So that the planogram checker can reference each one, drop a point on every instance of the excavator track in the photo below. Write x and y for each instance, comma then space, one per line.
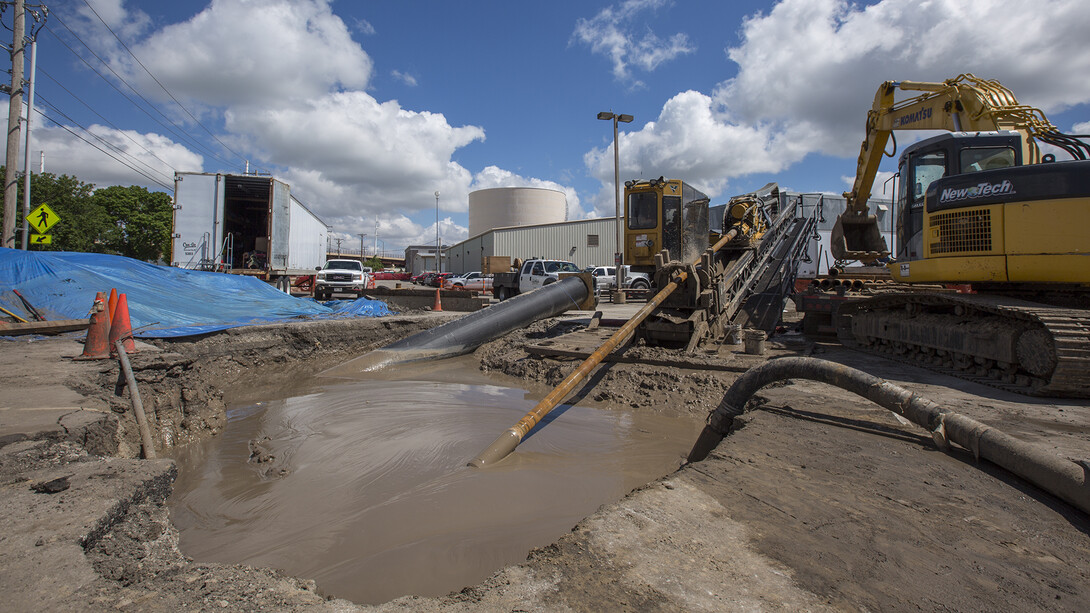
1015, 345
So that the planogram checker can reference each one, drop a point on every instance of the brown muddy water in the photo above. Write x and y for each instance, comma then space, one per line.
369, 493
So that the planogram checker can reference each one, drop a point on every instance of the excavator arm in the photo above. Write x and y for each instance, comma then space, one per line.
964, 103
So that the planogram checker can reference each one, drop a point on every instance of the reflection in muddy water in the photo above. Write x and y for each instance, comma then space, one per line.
367, 491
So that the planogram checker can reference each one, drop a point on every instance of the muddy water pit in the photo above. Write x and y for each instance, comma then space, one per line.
362, 483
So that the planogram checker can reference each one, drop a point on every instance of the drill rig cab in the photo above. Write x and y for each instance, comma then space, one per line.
663, 214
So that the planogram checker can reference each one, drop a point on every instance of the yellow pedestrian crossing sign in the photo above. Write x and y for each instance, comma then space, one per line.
42, 219
41, 239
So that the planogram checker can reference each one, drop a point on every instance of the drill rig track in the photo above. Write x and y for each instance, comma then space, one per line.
1015, 345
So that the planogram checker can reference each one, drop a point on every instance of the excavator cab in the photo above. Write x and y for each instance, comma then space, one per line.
951, 154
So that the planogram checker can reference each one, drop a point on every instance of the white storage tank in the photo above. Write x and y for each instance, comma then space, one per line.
502, 207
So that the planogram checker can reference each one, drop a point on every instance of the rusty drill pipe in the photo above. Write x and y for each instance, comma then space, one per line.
1058, 476
506, 443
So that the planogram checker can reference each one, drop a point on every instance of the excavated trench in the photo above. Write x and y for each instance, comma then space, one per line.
361, 483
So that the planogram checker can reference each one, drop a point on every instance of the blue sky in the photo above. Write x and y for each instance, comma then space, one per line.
368, 108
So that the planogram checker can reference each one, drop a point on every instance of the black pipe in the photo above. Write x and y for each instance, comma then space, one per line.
1059, 476
463, 335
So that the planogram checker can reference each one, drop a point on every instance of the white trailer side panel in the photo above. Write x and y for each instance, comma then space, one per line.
198, 219
280, 227
307, 239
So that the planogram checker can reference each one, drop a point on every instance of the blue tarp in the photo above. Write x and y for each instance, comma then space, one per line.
163, 301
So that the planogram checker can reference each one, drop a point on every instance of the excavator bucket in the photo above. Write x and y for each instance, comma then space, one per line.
857, 237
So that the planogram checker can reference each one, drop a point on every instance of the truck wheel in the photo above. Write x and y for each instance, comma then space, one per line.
549, 281
640, 284
501, 294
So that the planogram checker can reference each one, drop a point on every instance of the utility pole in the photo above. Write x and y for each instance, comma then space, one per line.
15, 108
376, 234
26, 158
438, 246
362, 234
339, 239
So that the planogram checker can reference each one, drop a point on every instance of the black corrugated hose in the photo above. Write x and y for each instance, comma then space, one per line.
1056, 475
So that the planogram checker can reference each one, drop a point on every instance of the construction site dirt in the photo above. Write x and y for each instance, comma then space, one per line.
818, 500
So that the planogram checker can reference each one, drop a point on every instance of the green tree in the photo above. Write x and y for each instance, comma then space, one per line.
140, 221
129, 221
375, 263
81, 224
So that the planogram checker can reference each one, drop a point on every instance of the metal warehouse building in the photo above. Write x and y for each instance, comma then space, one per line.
587, 242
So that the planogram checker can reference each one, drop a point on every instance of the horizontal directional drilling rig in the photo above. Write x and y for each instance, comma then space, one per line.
738, 274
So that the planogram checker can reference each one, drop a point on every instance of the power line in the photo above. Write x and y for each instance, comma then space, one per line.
183, 136
104, 119
119, 160
161, 86
112, 146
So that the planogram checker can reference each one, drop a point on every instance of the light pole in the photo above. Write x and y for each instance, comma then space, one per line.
363, 234
619, 255
438, 256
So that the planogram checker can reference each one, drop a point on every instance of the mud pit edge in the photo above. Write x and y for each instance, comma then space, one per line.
672, 545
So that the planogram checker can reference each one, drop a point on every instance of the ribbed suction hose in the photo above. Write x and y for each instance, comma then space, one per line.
1056, 475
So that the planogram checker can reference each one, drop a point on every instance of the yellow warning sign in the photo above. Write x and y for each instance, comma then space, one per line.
42, 219
41, 239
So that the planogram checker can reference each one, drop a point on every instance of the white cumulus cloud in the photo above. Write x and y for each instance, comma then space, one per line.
404, 77
617, 33
107, 156
253, 52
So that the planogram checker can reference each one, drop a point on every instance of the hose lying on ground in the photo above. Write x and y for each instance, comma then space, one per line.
1056, 475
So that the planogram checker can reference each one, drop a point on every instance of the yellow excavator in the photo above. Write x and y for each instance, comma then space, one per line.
988, 207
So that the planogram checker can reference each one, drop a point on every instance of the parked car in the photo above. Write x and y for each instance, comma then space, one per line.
436, 280
474, 281
448, 282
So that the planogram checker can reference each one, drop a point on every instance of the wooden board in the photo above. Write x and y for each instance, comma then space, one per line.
43, 327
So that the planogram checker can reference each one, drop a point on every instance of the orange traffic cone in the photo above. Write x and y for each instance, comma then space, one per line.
112, 304
438, 302
96, 346
121, 328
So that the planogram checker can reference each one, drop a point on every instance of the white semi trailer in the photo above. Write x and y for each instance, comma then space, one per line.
245, 224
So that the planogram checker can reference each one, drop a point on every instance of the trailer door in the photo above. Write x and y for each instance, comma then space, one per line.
198, 217
279, 224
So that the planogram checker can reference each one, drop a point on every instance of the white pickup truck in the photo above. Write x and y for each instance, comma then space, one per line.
605, 277
532, 275
341, 276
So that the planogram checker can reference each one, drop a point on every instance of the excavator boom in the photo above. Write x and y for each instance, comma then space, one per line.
964, 103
